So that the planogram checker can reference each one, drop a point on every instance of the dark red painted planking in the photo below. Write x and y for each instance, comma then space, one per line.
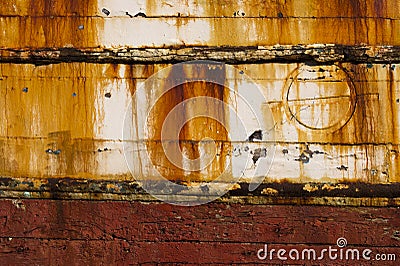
35, 251
61, 232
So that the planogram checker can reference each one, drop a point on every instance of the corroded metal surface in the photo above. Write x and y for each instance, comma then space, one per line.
71, 117
191, 32
44, 24
195, 8
328, 72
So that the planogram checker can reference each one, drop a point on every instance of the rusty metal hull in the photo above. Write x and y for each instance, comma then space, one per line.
78, 109
43, 24
69, 72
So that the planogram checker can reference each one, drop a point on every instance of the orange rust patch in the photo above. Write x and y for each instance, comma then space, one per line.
193, 130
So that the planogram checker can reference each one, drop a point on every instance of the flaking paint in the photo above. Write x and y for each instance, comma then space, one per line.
77, 107
44, 24
49, 116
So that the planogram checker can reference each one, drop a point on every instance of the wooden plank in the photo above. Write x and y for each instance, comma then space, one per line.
25, 251
216, 222
316, 53
357, 194
73, 232
234, 254
77, 252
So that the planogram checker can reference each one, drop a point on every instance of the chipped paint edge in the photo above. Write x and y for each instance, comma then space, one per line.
320, 53
275, 193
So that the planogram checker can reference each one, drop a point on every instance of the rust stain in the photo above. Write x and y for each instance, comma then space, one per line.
380, 8
112, 71
364, 129
48, 126
56, 116
372, 125
131, 80
151, 7
391, 112
44, 24
52, 24
313, 92
221, 8
361, 128
391, 103
57, 7
193, 130
59, 149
